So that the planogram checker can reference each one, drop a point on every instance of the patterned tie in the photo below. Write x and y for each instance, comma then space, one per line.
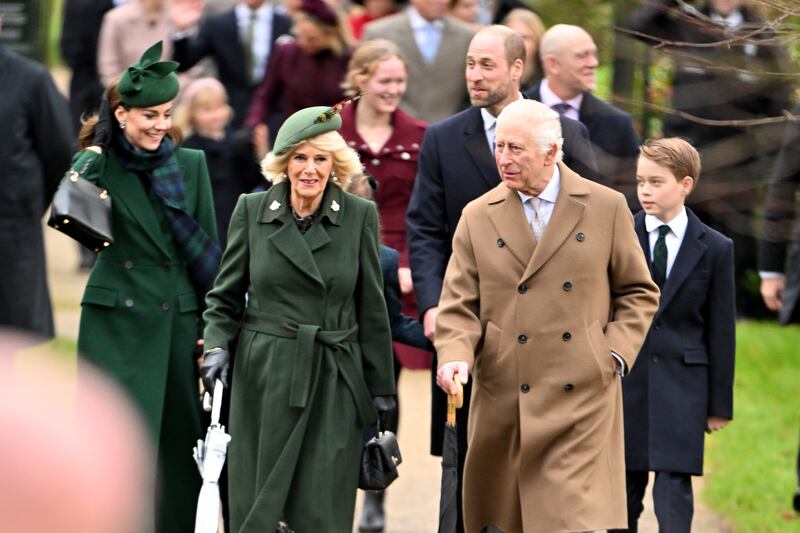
561, 108
249, 55
660, 256
537, 224
491, 133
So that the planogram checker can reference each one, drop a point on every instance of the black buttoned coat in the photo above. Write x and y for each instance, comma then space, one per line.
684, 372
35, 148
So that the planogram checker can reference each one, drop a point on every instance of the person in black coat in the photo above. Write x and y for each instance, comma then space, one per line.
456, 165
219, 36
569, 59
681, 386
35, 150
779, 255
723, 83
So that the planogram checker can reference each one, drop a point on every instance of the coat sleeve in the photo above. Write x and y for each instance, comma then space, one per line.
51, 129
426, 226
634, 295
374, 335
405, 329
721, 335
204, 211
225, 302
189, 50
458, 326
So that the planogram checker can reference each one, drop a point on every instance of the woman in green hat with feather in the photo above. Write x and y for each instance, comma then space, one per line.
141, 309
299, 297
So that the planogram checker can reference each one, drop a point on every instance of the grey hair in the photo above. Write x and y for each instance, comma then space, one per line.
545, 124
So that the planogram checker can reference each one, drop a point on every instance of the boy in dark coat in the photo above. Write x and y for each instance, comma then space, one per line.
682, 383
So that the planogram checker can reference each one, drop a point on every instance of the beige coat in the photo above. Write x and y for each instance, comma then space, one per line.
537, 323
125, 35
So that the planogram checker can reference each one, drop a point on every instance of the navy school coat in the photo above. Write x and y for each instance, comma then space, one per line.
684, 372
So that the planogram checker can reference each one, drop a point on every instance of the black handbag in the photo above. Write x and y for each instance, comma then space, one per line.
82, 210
379, 460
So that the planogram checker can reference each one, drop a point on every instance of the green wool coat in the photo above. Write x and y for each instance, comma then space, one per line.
141, 318
313, 346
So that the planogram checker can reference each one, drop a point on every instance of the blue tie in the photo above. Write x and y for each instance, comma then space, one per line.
430, 43
561, 108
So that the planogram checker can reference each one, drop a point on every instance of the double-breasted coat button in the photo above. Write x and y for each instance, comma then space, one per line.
567, 286
525, 388
375, 162
405, 156
522, 339
654, 358
129, 302
569, 387
165, 306
566, 336
522, 289
500, 243
128, 264
580, 236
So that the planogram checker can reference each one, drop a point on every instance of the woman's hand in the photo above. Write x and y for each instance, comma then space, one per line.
102, 130
216, 364
386, 406
406, 282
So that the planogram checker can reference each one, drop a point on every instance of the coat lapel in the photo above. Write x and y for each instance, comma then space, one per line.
568, 211
332, 208
287, 239
691, 250
478, 148
125, 188
644, 241
508, 219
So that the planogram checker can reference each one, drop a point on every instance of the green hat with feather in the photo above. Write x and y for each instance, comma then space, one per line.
309, 122
149, 81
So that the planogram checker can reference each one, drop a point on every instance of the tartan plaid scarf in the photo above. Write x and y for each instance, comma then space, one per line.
200, 252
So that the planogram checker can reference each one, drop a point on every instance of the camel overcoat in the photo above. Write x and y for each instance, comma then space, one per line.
536, 324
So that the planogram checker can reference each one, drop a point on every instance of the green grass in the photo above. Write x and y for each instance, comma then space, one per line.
752, 461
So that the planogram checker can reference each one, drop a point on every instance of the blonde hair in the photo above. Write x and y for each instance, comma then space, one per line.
200, 92
365, 61
345, 160
536, 26
680, 157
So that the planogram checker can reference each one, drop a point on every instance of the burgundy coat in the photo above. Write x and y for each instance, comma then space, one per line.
296, 80
394, 167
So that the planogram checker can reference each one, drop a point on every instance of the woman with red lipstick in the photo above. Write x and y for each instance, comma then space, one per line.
140, 312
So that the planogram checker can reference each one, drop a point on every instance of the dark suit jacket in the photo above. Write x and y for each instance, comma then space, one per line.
455, 167
404, 328
81, 29
779, 237
218, 37
615, 143
684, 372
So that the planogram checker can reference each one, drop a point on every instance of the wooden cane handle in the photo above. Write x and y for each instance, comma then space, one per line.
455, 401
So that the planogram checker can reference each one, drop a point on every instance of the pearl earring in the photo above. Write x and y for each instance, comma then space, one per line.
334, 177
122, 125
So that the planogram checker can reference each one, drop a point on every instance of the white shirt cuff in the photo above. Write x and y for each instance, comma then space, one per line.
771, 275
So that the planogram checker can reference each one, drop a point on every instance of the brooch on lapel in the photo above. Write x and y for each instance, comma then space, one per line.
275, 205
335, 206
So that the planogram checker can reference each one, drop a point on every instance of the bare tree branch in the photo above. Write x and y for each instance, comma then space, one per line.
786, 117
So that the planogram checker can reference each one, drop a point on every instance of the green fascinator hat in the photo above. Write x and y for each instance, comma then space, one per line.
149, 81
307, 123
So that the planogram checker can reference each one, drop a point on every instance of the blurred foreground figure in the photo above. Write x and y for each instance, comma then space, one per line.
73, 454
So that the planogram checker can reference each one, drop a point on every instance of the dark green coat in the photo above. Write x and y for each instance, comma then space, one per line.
313, 346
140, 321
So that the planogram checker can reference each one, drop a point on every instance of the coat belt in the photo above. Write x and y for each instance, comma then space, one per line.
307, 335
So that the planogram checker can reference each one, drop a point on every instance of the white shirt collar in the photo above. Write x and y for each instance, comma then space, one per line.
243, 12
489, 120
419, 22
677, 225
734, 20
550, 193
549, 98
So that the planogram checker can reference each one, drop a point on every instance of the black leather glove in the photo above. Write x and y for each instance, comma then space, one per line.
103, 128
215, 365
387, 412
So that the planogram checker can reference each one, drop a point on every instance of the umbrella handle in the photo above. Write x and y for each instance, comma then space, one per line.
216, 402
455, 401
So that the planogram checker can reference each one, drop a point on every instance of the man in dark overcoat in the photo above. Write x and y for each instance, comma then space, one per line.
35, 150
456, 166
779, 252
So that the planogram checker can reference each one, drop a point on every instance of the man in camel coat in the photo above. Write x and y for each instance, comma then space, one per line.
546, 301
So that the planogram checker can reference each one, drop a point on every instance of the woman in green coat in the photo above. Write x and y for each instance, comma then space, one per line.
299, 296
141, 310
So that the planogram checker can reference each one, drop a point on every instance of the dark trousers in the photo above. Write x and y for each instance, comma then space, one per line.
672, 499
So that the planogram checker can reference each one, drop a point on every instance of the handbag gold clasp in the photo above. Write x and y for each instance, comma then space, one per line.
73, 175
103, 194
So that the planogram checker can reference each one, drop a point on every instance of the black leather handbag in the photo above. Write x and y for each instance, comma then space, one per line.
82, 210
379, 460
